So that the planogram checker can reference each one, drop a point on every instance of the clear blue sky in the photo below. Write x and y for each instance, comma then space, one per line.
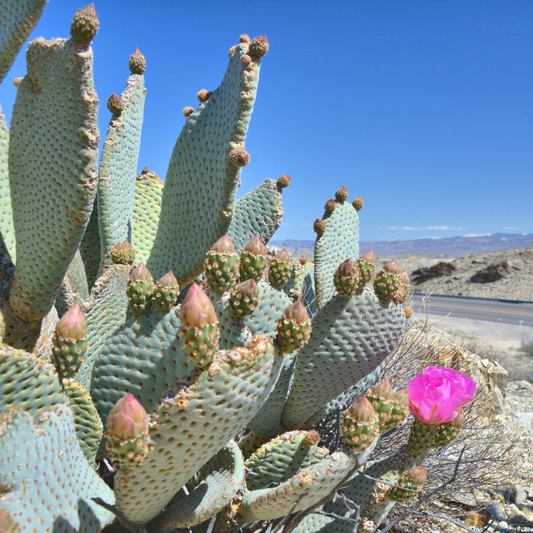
424, 108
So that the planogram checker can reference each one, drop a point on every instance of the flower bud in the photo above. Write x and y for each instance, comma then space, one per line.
293, 328
259, 46
256, 246
383, 390
239, 157
284, 181
319, 226
72, 324
358, 203
137, 62
141, 273
197, 309
408, 311
127, 419
392, 267
223, 245
115, 104
330, 206
360, 425
84, 25
122, 253
168, 280
341, 194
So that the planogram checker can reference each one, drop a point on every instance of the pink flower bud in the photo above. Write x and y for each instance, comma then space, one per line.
404, 277
402, 397
383, 390
140, 273
127, 419
247, 288
436, 395
72, 324
392, 267
168, 280
256, 247
283, 256
297, 312
197, 309
224, 245
417, 476
369, 257
362, 411
347, 269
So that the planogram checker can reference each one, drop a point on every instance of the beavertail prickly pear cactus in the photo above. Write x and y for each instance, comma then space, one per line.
196, 396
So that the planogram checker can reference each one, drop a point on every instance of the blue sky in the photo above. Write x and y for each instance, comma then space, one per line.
424, 108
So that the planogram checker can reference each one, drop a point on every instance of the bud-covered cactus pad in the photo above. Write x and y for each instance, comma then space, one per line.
337, 240
56, 105
201, 156
208, 410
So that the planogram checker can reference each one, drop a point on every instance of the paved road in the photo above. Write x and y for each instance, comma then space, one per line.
478, 309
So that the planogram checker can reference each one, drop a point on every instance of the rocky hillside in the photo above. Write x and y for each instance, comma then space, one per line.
507, 275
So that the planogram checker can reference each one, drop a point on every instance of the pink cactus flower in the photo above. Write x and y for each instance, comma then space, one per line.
436, 395
127, 419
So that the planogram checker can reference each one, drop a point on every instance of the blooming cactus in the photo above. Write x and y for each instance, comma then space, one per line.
436, 395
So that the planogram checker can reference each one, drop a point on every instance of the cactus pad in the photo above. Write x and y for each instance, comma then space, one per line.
201, 156
7, 230
41, 462
118, 168
282, 457
210, 490
208, 410
349, 340
304, 489
338, 242
17, 20
146, 210
56, 106
104, 312
258, 212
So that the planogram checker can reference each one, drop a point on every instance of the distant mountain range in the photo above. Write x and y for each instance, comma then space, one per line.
447, 247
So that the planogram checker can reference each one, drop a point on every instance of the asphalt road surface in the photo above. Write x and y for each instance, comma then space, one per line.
519, 314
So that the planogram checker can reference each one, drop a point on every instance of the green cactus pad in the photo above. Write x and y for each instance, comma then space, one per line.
210, 490
118, 168
27, 383
422, 438
104, 312
195, 419
17, 20
281, 458
358, 490
267, 423
89, 426
302, 490
340, 241
90, 249
200, 163
42, 463
272, 302
233, 331
349, 340
258, 212
56, 106
294, 286
7, 230
77, 278
142, 357
146, 210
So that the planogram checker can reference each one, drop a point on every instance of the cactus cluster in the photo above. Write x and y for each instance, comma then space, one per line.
170, 404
